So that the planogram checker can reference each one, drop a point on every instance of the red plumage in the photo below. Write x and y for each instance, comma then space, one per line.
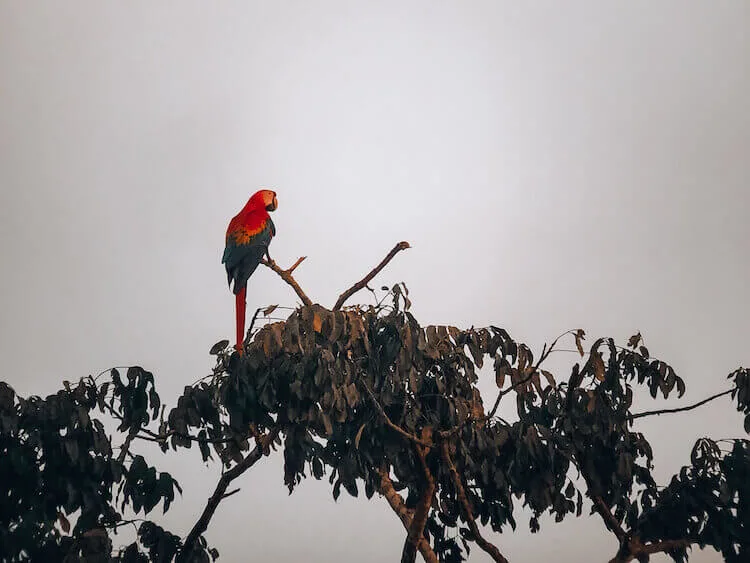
248, 236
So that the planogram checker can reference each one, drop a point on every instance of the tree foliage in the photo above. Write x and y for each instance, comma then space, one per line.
379, 405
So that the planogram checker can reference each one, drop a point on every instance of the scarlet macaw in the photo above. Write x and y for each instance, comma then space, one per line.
248, 236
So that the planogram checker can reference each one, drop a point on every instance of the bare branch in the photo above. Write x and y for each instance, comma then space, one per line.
680, 409
286, 275
403, 245
488, 547
405, 515
220, 493
293, 267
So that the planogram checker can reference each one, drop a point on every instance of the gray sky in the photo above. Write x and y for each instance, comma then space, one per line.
554, 165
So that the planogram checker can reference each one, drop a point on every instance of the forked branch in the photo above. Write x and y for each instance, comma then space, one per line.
286, 275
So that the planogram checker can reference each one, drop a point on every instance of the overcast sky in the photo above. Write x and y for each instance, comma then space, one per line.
554, 165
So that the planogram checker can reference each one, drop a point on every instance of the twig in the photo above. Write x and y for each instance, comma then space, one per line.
403, 245
544, 355
388, 422
488, 547
293, 267
680, 409
151, 436
286, 275
255, 317
405, 515
125, 448
220, 493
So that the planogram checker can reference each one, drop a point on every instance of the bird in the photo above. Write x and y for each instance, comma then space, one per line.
248, 236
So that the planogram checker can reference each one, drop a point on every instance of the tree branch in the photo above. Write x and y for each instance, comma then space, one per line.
680, 409
666, 545
635, 549
405, 515
125, 448
609, 520
544, 355
403, 245
388, 422
488, 547
286, 275
416, 528
220, 493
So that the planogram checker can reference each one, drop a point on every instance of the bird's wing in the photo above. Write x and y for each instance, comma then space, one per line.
247, 240
244, 236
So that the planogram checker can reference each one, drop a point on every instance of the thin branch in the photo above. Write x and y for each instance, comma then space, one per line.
255, 317
388, 421
403, 245
488, 547
544, 355
293, 267
286, 275
680, 409
151, 436
220, 493
125, 448
405, 515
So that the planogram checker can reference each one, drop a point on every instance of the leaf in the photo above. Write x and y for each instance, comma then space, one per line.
579, 336
501, 370
317, 322
591, 403
64, 524
327, 424
680, 387
549, 376
634, 340
219, 347
358, 437
597, 364
569, 490
268, 310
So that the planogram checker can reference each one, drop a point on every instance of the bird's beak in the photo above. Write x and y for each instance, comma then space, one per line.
274, 204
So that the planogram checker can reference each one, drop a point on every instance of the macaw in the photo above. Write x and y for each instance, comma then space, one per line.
248, 236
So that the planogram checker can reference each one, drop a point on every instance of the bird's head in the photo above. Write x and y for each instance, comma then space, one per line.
264, 198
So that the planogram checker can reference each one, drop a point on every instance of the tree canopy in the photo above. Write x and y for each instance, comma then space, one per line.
367, 398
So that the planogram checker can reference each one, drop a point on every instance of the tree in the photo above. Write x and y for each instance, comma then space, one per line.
370, 399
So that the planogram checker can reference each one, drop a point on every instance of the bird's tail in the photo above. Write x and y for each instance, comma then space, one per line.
240, 310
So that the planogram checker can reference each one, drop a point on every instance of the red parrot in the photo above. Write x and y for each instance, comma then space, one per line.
248, 236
